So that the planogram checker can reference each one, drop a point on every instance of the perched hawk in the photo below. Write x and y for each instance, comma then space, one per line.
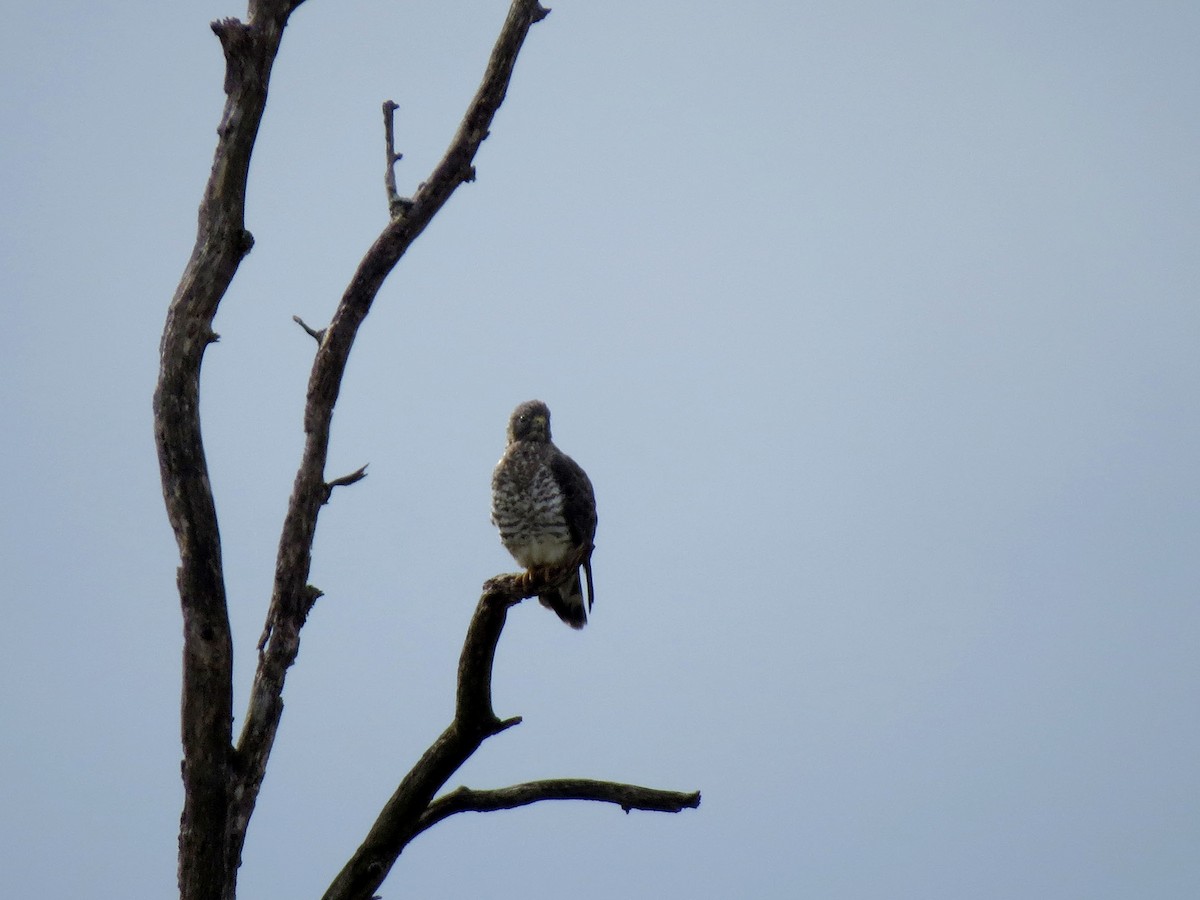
543, 504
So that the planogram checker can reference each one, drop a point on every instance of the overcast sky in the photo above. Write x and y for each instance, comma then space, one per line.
876, 325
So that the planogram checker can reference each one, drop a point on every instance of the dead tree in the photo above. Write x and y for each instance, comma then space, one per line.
221, 776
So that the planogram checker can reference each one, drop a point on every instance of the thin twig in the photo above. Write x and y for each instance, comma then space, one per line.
318, 335
397, 205
626, 796
357, 475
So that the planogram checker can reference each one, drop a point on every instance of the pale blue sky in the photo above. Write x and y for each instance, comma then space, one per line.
875, 325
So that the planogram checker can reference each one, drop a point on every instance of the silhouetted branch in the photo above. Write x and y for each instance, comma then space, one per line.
412, 809
357, 475
396, 204
474, 722
205, 869
316, 335
221, 781
626, 796
288, 608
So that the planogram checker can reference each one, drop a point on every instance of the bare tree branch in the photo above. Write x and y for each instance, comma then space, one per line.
474, 722
316, 335
626, 796
357, 475
289, 602
221, 243
397, 205
221, 781
221, 784
412, 809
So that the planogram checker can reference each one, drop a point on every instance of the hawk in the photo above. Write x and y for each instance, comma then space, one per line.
543, 504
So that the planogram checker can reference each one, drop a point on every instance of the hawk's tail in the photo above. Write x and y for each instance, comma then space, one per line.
567, 601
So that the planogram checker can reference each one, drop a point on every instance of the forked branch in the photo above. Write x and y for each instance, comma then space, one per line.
280, 642
221, 780
412, 808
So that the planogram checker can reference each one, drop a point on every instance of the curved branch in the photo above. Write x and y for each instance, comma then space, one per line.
626, 796
474, 722
473, 700
289, 609
412, 809
221, 243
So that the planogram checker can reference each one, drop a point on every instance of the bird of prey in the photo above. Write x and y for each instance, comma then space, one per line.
543, 504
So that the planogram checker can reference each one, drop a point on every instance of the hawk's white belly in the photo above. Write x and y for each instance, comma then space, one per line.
543, 550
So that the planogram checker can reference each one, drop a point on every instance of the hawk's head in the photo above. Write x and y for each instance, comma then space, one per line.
530, 422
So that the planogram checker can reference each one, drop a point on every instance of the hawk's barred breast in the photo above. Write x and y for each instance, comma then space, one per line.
527, 507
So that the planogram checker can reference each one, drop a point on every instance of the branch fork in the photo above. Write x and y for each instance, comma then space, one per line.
412, 808
222, 778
